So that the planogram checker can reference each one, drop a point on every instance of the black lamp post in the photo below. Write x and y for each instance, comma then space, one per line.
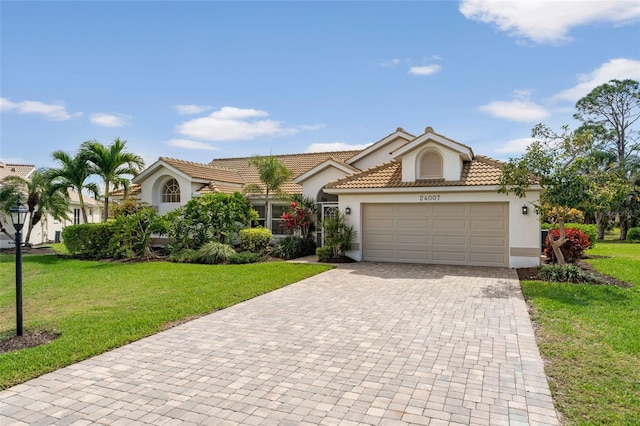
18, 216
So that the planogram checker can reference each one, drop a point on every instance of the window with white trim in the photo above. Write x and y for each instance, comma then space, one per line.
76, 216
171, 192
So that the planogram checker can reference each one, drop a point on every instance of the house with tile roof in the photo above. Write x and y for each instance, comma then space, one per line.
47, 229
413, 199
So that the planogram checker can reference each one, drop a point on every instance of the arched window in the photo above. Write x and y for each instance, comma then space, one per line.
431, 166
171, 192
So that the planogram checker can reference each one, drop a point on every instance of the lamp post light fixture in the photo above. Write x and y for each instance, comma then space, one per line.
18, 216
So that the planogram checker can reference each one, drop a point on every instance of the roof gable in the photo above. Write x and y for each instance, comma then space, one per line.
189, 170
331, 162
429, 135
383, 144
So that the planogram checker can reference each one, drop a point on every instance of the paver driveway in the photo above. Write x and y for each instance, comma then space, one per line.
366, 343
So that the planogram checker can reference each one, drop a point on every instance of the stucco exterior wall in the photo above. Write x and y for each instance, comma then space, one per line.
524, 230
382, 155
315, 183
151, 192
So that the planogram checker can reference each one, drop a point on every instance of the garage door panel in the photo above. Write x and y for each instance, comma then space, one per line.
454, 224
454, 209
413, 239
448, 233
449, 256
487, 224
441, 240
488, 241
414, 224
386, 240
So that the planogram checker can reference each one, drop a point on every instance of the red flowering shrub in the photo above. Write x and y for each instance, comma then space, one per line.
577, 242
298, 220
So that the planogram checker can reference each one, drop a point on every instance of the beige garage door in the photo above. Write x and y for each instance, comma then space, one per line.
445, 233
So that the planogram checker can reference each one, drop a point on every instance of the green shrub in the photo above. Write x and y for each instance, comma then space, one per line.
633, 234
294, 247
89, 240
213, 253
212, 217
590, 230
255, 240
245, 257
324, 253
566, 273
132, 232
338, 234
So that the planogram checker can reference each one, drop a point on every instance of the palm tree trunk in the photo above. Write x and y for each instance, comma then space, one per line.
82, 209
105, 213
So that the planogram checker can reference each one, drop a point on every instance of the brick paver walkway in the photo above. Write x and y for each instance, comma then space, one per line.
366, 343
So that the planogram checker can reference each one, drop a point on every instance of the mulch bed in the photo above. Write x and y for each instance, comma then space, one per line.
531, 274
27, 340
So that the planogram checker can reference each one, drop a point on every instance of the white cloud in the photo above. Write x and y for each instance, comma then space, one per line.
335, 146
56, 112
618, 69
516, 110
192, 109
425, 69
515, 146
110, 120
189, 144
391, 63
548, 21
232, 124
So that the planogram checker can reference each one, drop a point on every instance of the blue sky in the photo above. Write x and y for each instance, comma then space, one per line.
201, 80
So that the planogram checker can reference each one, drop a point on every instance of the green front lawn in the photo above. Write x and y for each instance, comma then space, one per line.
589, 337
98, 306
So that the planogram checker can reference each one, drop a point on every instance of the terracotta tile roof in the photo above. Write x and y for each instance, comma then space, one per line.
22, 170
134, 189
479, 172
204, 171
213, 188
88, 201
296, 163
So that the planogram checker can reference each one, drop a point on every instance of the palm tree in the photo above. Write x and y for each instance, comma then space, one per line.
42, 198
273, 174
111, 163
73, 175
8, 195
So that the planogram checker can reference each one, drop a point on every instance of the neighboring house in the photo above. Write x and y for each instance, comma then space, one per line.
414, 199
47, 229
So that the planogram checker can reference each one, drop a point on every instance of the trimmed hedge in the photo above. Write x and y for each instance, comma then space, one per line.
255, 240
633, 234
89, 240
294, 247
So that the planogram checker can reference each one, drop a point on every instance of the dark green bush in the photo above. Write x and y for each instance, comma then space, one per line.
212, 217
132, 233
89, 240
633, 234
294, 247
214, 253
324, 254
566, 273
245, 257
255, 240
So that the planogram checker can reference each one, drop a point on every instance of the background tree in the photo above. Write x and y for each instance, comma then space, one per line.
611, 112
73, 174
554, 161
273, 174
42, 198
112, 163
8, 195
